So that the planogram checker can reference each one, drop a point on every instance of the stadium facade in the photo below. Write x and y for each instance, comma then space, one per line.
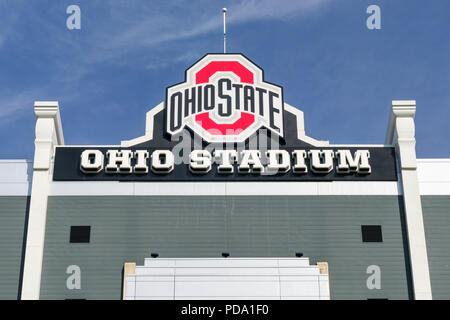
225, 197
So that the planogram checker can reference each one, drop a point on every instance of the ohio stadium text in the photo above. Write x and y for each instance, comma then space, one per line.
127, 161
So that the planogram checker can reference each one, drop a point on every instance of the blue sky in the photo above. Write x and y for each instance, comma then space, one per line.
107, 75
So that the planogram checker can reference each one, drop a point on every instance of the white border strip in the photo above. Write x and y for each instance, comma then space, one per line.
434, 176
434, 188
15, 177
15, 189
108, 188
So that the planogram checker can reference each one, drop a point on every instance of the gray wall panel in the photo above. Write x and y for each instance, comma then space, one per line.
436, 211
325, 228
13, 215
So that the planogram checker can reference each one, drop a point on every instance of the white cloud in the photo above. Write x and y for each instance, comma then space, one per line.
122, 32
12, 106
268, 9
189, 56
146, 28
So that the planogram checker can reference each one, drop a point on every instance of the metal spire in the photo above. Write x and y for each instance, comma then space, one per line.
224, 10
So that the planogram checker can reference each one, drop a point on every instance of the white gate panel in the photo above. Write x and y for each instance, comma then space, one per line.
227, 279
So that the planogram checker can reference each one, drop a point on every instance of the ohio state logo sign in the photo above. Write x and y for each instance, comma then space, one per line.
224, 99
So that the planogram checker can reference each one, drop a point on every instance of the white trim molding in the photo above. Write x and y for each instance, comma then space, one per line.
48, 135
301, 133
401, 133
149, 120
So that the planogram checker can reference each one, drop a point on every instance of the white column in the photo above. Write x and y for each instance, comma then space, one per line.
401, 133
48, 135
